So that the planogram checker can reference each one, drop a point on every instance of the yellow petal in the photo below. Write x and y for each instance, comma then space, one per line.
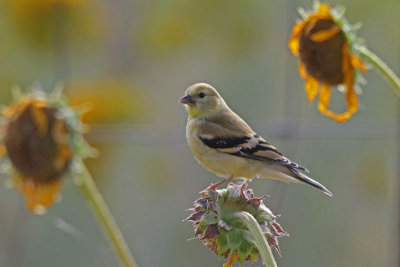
298, 28
352, 101
64, 154
324, 11
294, 38
357, 63
39, 196
351, 97
311, 88
59, 132
3, 150
231, 260
324, 35
352, 107
294, 45
40, 119
324, 98
14, 110
302, 71
338, 117
309, 26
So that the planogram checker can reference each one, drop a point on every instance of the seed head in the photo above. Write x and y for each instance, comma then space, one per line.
224, 233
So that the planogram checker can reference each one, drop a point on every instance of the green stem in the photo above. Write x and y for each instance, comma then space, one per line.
381, 67
259, 238
104, 216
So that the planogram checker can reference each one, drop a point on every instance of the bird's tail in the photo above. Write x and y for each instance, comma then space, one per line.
307, 180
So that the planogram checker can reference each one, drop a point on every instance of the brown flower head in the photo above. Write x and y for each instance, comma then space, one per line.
39, 142
323, 40
220, 230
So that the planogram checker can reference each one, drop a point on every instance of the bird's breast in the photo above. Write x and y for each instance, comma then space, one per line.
222, 164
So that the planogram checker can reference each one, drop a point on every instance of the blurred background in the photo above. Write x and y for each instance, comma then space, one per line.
133, 60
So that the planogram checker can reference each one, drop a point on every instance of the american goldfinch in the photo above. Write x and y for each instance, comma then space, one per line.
224, 144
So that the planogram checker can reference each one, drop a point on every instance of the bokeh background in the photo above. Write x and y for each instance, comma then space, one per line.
132, 60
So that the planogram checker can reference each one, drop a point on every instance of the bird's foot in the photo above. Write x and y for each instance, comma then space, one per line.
213, 187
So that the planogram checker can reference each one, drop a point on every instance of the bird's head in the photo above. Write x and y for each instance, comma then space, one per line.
202, 100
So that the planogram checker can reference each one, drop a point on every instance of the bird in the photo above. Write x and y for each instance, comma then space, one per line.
226, 145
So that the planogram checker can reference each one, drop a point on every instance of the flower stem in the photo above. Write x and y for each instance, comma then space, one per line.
99, 206
381, 67
259, 238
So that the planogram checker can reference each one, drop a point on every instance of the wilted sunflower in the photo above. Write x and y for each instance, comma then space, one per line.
216, 224
40, 138
323, 40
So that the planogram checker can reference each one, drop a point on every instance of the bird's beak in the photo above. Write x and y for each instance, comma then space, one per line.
187, 99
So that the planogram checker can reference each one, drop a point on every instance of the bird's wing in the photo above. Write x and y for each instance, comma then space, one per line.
228, 133
250, 146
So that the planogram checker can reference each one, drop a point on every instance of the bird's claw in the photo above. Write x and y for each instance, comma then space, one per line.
213, 187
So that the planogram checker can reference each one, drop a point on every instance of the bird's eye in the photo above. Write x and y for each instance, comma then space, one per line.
201, 95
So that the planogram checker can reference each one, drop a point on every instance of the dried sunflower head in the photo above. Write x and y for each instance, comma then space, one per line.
224, 233
40, 137
324, 42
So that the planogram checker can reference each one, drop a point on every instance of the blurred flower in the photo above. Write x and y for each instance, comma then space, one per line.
224, 233
110, 101
37, 19
172, 28
50, 22
324, 42
40, 138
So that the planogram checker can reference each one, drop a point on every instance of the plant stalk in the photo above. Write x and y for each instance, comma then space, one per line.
381, 67
104, 216
259, 238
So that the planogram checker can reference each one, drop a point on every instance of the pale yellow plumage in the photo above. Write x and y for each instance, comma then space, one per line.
224, 144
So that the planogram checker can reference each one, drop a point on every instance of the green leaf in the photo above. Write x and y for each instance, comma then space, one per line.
244, 251
254, 255
235, 239
222, 195
222, 244
262, 217
210, 218
213, 195
261, 242
249, 238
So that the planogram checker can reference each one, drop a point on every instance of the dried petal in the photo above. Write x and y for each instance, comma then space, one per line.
277, 229
195, 217
273, 242
211, 231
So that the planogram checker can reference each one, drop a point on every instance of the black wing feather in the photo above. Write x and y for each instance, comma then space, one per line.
221, 143
246, 147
